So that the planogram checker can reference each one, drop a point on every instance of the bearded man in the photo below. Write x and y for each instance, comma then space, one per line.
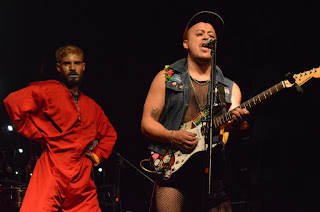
65, 122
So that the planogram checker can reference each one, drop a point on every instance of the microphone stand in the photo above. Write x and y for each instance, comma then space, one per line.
212, 103
121, 159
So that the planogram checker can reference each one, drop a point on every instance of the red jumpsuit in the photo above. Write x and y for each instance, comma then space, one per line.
45, 112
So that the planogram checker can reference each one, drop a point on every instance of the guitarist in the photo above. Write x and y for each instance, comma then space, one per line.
177, 94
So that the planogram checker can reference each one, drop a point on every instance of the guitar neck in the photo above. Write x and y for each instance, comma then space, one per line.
224, 118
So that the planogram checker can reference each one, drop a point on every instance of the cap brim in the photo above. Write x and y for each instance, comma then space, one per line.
207, 17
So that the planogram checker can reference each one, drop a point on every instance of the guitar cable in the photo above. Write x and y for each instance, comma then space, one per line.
147, 170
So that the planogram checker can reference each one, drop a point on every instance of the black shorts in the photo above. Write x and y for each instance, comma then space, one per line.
192, 181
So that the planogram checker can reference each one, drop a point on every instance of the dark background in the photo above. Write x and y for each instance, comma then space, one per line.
276, 163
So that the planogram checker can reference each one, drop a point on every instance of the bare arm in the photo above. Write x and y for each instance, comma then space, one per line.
239, 115
153, 108
152, 111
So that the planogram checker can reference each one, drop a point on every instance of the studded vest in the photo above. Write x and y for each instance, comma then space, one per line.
177, 100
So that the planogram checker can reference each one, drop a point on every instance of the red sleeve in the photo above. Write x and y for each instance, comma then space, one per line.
21, 105
107, 137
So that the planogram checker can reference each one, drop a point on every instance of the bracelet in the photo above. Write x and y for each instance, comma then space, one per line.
170, 138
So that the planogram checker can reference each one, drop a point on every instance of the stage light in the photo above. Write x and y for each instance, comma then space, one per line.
20, 150
100, 169
16, 172
10, 128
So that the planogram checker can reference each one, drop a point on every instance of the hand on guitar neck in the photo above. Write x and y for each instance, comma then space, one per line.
239, 115
239, 120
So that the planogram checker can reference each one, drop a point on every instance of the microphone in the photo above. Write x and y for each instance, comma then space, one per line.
210, 43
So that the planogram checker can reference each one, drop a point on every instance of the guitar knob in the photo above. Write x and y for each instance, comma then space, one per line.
157, 162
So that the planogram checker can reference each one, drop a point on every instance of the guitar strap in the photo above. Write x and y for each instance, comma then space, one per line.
222, 95
202, 114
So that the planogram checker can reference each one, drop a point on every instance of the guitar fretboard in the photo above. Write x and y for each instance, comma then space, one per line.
224, 118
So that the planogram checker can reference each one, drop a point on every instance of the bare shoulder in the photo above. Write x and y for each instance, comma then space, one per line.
159, 79
235, 88
158, 85
155, 100
236, 95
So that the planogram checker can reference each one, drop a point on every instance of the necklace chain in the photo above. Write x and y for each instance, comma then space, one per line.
199, 82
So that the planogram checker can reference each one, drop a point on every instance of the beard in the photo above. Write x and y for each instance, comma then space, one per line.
71, 82
200, 59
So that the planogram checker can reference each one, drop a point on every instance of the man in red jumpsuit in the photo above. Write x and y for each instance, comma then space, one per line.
65, 122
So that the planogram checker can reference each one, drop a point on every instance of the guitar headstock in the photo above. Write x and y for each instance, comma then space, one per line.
303, 77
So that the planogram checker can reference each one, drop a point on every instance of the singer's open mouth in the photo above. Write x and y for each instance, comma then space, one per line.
204, 47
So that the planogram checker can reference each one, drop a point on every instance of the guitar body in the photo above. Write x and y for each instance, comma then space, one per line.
174, 160
181, 158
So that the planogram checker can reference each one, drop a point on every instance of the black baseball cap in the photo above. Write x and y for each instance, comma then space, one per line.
207, 17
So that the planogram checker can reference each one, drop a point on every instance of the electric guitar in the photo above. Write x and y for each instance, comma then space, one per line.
174, 160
